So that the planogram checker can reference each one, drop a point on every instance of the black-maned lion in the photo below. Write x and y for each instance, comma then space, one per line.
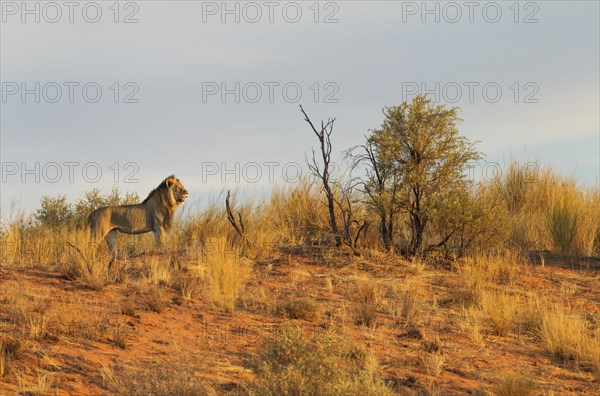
154, 214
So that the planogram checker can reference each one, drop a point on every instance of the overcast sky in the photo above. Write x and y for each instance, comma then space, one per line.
204, 91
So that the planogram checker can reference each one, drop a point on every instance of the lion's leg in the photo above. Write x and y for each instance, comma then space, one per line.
111, 241
158, 238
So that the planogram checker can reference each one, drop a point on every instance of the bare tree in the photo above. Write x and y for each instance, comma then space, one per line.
324, 136
349, 204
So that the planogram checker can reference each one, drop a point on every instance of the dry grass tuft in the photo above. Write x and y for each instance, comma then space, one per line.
187, 283
121, 332
513, 385
501, 309
226, 274
567, 338
157, 271
128, 306
434, 363
367, 299
404, 306
162, 378
155, 300
8, 351
474, 281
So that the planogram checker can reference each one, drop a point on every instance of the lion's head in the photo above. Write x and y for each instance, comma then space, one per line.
170, 192
175, 190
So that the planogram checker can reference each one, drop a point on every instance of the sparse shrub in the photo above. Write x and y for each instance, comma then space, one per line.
433, 166
302, 308
290, 364
120, 335
513, 385
155, 300
226, 273
128, 307
54, 212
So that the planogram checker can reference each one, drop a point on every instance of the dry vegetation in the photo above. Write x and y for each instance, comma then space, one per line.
281, 310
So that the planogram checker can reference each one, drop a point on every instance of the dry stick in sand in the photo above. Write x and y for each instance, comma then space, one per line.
239, 228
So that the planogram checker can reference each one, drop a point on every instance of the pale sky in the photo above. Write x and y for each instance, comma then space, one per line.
526, 78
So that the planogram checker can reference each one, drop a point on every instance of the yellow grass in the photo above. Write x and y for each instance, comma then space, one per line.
226, 273
567, 337
512, 384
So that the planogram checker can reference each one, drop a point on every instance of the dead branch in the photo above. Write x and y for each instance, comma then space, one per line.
237, 225
324, 136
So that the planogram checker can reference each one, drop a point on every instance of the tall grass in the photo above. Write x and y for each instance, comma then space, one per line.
226, 273
548, 211
297, 213
563, 225
566, 337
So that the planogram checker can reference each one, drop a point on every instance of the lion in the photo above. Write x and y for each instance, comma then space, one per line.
154, 214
